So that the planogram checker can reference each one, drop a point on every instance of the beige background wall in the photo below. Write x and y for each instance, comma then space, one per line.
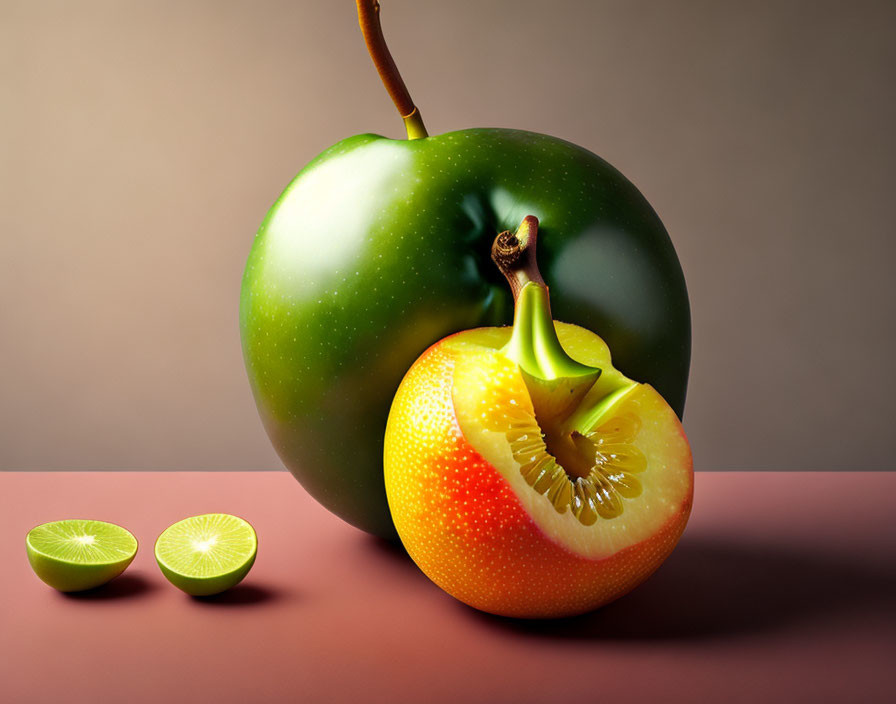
142, 143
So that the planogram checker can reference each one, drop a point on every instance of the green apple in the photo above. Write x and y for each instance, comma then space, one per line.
381, 247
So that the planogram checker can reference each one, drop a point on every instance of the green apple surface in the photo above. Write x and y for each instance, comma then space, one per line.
381, 247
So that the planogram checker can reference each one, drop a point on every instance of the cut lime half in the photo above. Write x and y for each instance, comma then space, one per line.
77, 554
207, 554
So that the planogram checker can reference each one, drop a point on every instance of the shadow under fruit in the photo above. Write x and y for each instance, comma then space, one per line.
380, 247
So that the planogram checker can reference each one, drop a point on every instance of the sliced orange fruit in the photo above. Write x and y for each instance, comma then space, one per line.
526, 476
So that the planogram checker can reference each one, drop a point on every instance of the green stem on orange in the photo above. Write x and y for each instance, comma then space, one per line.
369, 19
555, 380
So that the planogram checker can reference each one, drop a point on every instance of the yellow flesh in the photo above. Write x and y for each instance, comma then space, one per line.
633, 468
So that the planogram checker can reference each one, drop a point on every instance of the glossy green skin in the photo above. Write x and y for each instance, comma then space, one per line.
381, 247
71, 577
205, 586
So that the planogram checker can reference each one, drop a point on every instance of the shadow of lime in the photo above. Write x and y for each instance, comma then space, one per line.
242, 595
125, 586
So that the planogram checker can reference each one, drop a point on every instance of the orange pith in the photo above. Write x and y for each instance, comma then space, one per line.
509, 537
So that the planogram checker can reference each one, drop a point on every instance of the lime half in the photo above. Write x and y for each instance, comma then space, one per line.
76, 554
207, 554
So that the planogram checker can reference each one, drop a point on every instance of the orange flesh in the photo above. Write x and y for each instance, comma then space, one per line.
470, 520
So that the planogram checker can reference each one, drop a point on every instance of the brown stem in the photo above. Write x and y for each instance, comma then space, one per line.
515, 255
369, 19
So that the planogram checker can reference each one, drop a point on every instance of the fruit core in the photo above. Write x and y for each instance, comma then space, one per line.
568, 447
204, 545
588, 474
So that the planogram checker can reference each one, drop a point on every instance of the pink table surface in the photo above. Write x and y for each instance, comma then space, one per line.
782, 589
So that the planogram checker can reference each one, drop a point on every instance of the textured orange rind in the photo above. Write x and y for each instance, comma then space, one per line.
467, 515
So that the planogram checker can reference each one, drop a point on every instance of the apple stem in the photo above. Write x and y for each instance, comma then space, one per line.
369, 19
534, 344
515, 255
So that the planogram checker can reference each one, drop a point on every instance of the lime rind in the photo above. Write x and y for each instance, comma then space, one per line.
207, 554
